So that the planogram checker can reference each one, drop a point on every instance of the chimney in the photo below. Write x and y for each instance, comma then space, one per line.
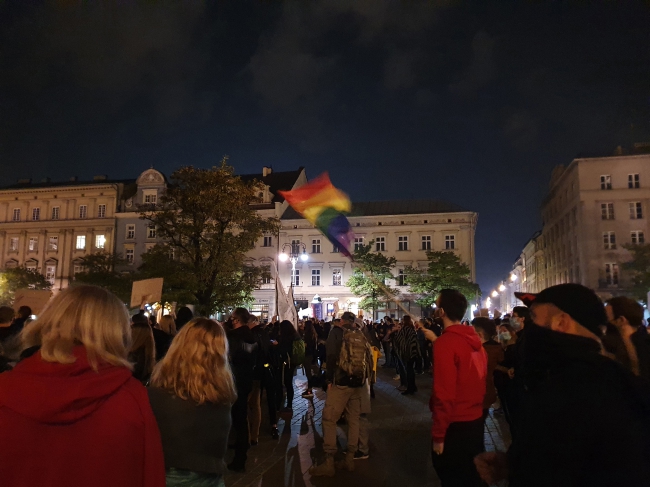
101, 177
73, 179
25, 181
266, 171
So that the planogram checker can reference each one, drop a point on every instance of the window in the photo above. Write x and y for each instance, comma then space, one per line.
130, 231
638, 237
13, 243
315, 246
426, 242
400, 277
337, 276
266, 279
33, 244
606, 182
315, 277
609, 240
78, 269
336, 249
380, 244
50, 273
101, 211
633, 181
100, 241
83, 211
53, 243
268, 241
129, 254
55, 213
611, 274
151, 197
607, 211
16, 216
36, 214
636, 210
81, 242
151, 231
402, 243
358, 243
295, 277
450, 242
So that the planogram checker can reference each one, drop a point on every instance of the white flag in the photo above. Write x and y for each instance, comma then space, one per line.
285, 306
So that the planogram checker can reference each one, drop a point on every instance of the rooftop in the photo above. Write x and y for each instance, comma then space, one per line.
276, 181
46, 183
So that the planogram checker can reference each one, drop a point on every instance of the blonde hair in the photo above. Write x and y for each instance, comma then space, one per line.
82, 315
196, 366
167, 324
143, 338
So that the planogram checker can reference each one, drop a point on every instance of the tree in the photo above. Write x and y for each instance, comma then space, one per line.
207, 222
99, 270
445, 270
639, 269
371, 271
20, 278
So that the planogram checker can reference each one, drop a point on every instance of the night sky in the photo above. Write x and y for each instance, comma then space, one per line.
468, 102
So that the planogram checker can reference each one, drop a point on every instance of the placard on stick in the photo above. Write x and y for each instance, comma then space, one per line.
35, 299
149, 290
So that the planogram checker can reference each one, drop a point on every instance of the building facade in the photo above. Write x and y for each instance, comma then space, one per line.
49, 227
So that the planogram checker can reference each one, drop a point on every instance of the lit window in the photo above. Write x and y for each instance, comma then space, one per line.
268, 241
101, 211
611, 274
295, 277
337, 277
129, 255
380, 244
606, 182
402, 243
636, 210
83, 211
13, 243
633, 181
426, 242
315, 246
607, 211
50, 273
315, 277
81, 242
33, 244
53, 243
130, 231
100, 241
16, 216
358, 243
55, 213
638, 237
450, 242
36, 214
609, 240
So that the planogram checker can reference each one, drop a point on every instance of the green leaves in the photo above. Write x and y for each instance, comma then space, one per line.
445, 270
206, 219
639, 269
99, 270
19, 278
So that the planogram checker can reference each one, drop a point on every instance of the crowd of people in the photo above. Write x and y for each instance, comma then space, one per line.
86, 387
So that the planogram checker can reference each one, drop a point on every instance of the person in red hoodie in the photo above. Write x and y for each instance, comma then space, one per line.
459, 371
71, 413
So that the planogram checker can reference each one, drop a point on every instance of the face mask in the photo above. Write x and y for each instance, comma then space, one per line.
504, 337
516, 323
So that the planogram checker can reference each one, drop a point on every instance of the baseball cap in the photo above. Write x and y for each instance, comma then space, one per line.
579, 302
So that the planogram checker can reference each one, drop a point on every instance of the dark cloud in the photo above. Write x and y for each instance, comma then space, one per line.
482, 68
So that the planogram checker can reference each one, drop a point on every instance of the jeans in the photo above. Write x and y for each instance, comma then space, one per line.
401, 370
410, 375
285, 376
239, 413
455, 467
255, 406
339, 399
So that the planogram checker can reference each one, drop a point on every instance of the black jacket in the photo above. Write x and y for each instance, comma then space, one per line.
193, 437
584, 420
263, 355
162, 341
243, 356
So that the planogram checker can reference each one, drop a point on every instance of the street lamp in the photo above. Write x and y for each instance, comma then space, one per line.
513, 277
293, 252
502, 288
495, 294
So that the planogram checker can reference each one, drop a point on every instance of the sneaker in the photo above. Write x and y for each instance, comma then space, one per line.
308, 395
396, 377
361, 456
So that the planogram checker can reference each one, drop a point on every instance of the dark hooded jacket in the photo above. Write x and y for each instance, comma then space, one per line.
584, 419
69, 425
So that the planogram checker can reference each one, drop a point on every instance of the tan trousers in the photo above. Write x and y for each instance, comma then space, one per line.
339, 399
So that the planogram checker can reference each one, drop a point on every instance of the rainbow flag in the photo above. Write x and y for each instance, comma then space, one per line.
325, 207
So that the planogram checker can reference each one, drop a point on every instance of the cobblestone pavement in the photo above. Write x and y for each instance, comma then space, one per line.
399, 442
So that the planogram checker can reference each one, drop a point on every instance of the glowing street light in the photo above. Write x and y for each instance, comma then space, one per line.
495, 294
502, 288
296, 250
513, 277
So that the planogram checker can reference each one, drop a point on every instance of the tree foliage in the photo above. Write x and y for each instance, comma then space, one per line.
99, 270
639, 269
371, 271
206, 219
445, 270
20, 278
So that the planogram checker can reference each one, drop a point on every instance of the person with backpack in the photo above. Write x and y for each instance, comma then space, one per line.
292, 353
349, 368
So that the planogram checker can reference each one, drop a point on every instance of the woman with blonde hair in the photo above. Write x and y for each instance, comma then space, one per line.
191, 393
168, 325
73, 404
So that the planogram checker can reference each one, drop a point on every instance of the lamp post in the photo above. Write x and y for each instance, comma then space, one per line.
293, 252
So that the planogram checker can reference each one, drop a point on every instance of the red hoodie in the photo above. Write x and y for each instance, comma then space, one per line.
65, 425
459, 369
